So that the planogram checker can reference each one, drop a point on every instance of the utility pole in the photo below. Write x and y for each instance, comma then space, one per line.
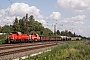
27, 23
55, 33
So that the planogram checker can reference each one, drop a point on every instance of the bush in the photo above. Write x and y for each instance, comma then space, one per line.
2, 38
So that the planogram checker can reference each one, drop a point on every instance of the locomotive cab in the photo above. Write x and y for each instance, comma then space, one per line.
34, 37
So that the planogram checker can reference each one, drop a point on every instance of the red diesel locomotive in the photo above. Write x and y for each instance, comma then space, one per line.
18, 37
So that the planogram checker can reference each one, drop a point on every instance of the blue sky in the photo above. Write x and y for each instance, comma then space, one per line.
71, 15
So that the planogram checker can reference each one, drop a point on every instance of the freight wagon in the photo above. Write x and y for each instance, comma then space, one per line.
50, 38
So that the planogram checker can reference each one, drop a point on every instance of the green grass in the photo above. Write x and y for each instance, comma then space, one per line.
72, 50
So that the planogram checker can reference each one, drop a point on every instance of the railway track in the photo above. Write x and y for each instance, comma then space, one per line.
17, 46
6, 45
19, 50
23, 50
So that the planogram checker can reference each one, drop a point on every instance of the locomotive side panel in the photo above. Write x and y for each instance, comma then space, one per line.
24, 37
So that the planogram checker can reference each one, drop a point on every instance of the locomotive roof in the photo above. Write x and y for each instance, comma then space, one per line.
16, 32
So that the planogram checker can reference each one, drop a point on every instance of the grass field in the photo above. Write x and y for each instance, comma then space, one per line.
71, 50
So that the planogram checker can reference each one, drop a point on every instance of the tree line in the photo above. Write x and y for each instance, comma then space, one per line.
33, 27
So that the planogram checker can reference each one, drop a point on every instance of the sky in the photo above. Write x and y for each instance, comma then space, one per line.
71, 15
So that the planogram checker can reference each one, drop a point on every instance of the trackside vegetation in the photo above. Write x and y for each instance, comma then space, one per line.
72, 50
3, 38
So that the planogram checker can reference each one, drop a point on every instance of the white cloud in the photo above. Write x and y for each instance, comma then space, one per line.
22, 8
43, 21
74, 5
74, 24
76, 19
18, 10
40, 16
0, 15
80, 30
54, 16
86, 31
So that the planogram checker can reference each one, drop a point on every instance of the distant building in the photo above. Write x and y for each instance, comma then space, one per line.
66, 30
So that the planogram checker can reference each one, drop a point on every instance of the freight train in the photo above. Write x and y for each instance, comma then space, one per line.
15, 37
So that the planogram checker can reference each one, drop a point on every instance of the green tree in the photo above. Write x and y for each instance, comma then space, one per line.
16, 26
69, 34
30, 23
35, 25
58, 32
38, 26
47, 32
6, 29
31, 20
22, 24
62, 33
74, 34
